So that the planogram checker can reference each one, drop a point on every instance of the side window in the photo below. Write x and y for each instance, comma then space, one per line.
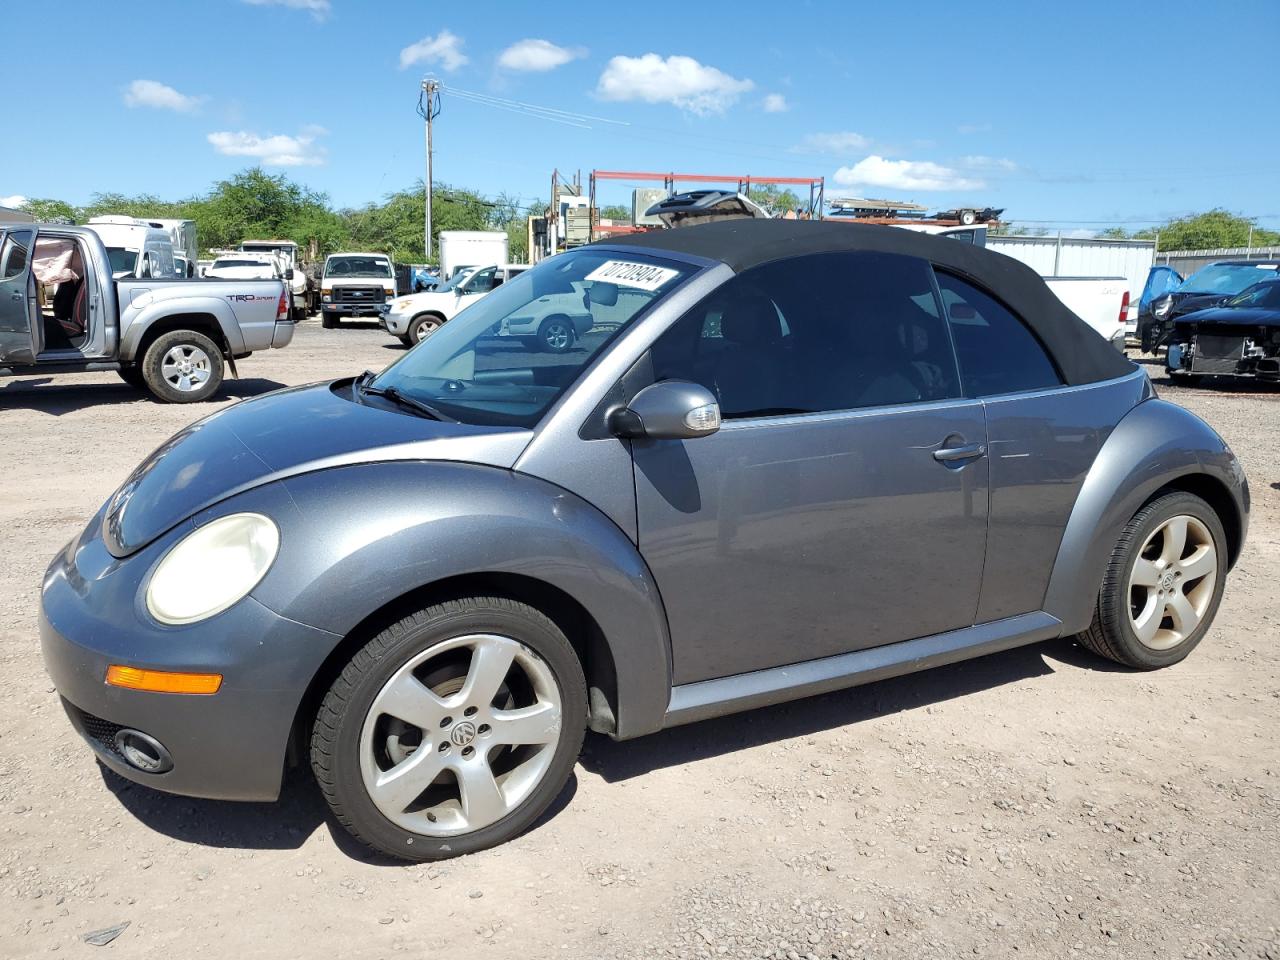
833, 331
997, 352
15, 254
481, 282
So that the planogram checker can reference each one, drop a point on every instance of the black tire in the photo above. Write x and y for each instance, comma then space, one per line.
556, 334
415, 335
404, 338
1111, 634
328, 320
132, 375
154, 377
336, 735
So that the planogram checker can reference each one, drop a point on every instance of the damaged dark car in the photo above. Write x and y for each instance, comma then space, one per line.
1238, 338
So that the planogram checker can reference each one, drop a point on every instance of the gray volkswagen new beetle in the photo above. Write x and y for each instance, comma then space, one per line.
786, 458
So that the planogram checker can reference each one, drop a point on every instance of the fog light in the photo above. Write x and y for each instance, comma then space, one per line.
143, 752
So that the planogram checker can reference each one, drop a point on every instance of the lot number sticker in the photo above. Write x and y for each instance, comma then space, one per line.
642, 276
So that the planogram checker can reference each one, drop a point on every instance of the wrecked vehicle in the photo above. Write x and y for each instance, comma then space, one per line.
1238, 338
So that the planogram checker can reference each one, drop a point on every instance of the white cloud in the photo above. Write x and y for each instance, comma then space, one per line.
13, 202
842, 142
677, 80
874, 171
319, 9
775, 103
537, 56
152, 93
993, 164
445, 48
274, 151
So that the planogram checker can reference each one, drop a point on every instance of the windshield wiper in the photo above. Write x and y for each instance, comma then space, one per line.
399, 399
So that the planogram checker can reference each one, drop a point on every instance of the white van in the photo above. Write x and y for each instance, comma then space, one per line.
136, 249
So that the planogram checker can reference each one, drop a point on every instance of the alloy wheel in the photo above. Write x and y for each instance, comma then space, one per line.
186, 367
1172, 582
460, 735
557, 336
424, 328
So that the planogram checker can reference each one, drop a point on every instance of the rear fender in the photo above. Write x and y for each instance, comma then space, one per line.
134, 325
1156, 445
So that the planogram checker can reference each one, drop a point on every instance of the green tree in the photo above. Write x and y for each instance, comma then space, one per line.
773, 200
50, 210
1113, 233
1204, 231
616, 212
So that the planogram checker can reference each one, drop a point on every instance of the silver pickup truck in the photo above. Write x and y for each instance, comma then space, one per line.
63, 311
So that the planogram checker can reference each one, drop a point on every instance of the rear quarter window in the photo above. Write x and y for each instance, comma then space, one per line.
998, 353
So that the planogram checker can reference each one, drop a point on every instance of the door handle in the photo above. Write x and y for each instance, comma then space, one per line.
18, 295
970, 451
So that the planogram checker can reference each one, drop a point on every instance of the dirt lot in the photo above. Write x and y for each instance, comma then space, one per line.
1037, 801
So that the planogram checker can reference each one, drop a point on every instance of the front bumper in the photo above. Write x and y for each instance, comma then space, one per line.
230, 745
353, 309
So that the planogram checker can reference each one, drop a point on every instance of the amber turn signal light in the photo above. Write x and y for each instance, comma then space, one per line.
163, 681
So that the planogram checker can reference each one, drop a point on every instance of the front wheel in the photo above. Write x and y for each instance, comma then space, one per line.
421, 327
1163, 585
452, 730
182, 366
132, 375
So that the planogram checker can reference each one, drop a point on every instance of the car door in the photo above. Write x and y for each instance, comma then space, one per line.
1042, 437
843, 503
16, 302
474, 287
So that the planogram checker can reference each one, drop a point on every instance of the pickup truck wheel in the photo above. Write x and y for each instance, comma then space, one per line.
1163, 585
182, 366
556, 334
422, 326
133, 377
452, 730
328, 320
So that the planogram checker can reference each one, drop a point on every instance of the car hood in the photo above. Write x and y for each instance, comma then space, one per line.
277, 436
1235, 315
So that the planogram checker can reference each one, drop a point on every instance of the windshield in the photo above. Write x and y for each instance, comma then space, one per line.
1227, 278
358, 267
1265, 295
508, 357
122, 260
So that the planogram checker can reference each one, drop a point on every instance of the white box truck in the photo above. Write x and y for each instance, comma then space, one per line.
471, 248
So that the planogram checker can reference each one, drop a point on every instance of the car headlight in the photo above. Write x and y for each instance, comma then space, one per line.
1160, 308
212, 568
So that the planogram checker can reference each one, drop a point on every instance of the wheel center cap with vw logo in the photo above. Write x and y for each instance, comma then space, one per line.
463, 733
1167, 581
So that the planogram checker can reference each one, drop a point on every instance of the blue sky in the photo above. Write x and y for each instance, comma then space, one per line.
1055, 112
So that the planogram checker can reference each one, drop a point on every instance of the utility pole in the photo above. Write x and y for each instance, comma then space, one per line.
428, 109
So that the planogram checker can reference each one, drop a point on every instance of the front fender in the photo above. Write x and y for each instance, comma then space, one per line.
135, 325
357, 538
1155, 445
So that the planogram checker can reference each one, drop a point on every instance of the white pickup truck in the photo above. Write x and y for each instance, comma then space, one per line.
62, 311
299, 285
355, 285
1101, 302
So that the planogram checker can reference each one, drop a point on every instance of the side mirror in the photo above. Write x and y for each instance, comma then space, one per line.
669, 410
605, 294
288, 273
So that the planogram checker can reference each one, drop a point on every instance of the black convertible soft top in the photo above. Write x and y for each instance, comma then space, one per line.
1081, 354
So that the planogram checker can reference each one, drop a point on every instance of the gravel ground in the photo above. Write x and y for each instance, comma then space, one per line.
1038, 801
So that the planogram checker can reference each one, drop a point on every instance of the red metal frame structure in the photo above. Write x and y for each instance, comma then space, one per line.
816, 187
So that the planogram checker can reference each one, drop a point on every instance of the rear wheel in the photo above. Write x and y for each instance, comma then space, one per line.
1163, 585
132, 375
556, 334
182, 366
452, 730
